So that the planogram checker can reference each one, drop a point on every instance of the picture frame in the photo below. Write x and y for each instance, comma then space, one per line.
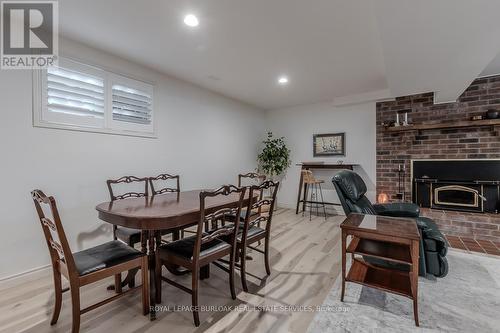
332, 144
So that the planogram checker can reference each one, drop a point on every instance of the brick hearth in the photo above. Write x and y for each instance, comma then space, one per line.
395, 148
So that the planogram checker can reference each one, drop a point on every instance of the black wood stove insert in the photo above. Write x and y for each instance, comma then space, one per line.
462, 185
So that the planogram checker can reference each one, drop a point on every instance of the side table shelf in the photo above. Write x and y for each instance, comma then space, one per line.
393, 281
394, 252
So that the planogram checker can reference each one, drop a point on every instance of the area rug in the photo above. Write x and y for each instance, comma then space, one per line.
466, 300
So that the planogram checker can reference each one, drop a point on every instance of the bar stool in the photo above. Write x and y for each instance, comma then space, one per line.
315, 184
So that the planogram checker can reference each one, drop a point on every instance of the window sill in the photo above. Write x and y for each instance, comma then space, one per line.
42, 124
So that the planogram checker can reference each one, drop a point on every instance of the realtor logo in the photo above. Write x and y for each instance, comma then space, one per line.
29, 34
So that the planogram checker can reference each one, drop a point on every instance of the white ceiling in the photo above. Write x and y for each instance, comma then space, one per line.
330, 49
437, 45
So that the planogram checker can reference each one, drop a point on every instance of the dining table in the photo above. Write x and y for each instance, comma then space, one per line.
158, 214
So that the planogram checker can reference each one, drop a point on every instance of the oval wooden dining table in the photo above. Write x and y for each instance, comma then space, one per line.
164, 212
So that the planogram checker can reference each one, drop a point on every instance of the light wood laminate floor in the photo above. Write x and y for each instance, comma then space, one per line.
305, 261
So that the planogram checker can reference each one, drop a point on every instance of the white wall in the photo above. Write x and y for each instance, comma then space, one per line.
206, 138
298, 124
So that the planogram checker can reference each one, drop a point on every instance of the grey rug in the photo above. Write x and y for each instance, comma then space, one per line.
466, 300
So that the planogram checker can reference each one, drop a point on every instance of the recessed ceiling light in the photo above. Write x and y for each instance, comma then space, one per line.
283, 80
191, 20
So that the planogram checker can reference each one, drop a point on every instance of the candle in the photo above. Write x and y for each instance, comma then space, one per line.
397, 120
406, 118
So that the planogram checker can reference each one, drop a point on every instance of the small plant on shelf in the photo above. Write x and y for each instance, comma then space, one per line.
275, 156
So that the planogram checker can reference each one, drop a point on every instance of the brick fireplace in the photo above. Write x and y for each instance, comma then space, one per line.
397, 149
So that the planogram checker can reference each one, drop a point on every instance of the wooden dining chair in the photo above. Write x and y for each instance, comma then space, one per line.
159, 185
249, 179
87, 266
252, 232
204, 248
127, 235
165, 177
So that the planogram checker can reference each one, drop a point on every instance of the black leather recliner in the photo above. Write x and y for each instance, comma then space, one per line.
351, 190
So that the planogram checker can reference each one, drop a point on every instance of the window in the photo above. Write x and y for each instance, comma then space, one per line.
81, 97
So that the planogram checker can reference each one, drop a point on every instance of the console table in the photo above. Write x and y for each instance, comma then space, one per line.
322, 166
392, 239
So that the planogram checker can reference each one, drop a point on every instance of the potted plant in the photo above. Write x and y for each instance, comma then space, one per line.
274, 158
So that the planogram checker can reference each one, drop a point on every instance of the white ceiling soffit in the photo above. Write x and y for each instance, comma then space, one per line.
437, 46
493, 68
331, 50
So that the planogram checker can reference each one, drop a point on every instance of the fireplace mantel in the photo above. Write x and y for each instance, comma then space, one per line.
445, 125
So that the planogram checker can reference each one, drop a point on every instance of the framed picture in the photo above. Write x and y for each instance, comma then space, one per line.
329, 144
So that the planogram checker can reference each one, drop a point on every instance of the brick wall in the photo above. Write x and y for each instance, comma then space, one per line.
478, 142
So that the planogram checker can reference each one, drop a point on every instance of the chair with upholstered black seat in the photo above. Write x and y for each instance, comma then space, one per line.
127, 235
204, 248
248, 179
87, 266
163, 184
157, 188
252, 232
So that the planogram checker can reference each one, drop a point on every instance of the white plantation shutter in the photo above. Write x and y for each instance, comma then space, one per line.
131, 105
74, 93
86, 98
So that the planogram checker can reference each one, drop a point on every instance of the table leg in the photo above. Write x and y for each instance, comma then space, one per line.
304, 199
415, 247
205, 272
301, 181
344, 236
133, 272
152, 285
130, 277
157, 246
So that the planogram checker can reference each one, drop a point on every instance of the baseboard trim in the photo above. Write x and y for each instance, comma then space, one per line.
285, 205
328, 209
25, 273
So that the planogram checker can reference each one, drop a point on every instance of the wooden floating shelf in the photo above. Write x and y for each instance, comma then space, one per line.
456, 124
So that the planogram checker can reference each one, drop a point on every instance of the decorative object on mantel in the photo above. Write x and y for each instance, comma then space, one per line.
340, 162
405, 119
477, 117
329, 144
492, 114
398, 123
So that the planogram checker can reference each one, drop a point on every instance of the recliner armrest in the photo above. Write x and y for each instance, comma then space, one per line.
397, 209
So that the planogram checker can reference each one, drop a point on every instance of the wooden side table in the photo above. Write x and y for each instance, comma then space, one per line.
392, 239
